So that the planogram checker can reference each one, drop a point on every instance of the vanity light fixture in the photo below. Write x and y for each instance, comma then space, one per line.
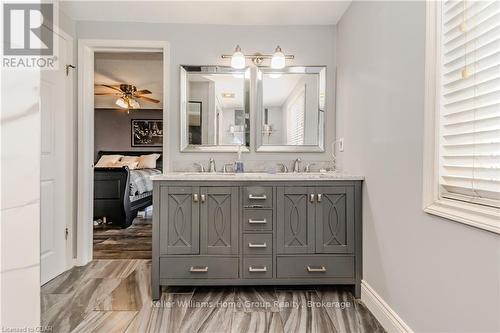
278, 58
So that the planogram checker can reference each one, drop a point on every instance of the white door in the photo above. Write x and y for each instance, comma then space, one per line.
55, 200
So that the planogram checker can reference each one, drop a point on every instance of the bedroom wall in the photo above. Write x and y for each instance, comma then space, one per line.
437, 275
112, 129
204, 44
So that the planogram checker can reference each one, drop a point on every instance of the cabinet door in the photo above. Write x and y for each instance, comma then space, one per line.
219, 220
179, 220
295, 220
334, 219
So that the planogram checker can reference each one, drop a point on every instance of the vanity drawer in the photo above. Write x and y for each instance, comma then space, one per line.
199, 267
258, 244
315, 267
258, 268
258, 196
257, 219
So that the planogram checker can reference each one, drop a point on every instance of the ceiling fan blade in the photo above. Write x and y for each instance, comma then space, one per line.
148, 99
117, 88
143, 92
108, 94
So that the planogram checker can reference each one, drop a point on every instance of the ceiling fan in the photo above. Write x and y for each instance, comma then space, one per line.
128, 94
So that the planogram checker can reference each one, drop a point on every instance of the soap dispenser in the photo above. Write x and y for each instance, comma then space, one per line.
238, 165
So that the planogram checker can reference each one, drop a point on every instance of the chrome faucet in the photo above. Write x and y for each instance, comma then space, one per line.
211, 165
296, 165
201, 166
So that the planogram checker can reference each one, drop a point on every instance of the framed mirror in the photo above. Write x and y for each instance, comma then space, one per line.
291, 109
215, 112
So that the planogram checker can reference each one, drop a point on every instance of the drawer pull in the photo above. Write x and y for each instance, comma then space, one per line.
320, 196
252, 221
257, 197
311, 197
257, 269
252, 245
318, 269
203, 198
195, 197
198, 269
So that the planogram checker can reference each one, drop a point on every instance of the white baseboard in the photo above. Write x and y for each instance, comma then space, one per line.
387, 317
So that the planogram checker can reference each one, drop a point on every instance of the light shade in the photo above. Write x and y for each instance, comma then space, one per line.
278, 59
121, 103
133, 104
238, 58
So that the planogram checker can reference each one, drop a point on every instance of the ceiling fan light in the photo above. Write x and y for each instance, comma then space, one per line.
278, 59
122, 103
134, 104
238, 58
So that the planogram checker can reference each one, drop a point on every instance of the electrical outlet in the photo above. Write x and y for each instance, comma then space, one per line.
341, 144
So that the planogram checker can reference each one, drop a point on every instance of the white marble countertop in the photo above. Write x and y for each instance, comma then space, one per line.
256, 176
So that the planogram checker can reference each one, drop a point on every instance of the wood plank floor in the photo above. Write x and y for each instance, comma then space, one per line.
114, 296
133, 242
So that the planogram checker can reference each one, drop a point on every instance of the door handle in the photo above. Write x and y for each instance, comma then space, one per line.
203, 198
252, 221
311, 197
198, 269
253, 245
320, 196
257, 197
257, 269
195, 197
319, 269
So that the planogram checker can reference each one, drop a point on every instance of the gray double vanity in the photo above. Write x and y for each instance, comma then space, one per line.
256, 229
216, 227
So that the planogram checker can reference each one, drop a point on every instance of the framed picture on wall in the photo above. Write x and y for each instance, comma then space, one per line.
147, 132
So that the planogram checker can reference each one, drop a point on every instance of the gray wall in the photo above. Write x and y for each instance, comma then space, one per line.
204, 44
438, 275
112, 129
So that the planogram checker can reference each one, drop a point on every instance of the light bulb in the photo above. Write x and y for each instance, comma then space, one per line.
121, 103
278, 59
238, 58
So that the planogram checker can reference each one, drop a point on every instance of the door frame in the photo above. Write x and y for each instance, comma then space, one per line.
86, 50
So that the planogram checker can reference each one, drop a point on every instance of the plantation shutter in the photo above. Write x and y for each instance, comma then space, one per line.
296, 133
469, 128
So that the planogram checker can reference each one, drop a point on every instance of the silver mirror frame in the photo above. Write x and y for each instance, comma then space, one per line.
320, 147
185, 147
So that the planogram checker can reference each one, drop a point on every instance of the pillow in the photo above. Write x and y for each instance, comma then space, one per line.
130, 164
107, 161
129, 159
148, 161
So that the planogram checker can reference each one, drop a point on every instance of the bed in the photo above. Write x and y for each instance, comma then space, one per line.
119, 193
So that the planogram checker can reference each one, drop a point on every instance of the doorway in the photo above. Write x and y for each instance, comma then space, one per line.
87, 51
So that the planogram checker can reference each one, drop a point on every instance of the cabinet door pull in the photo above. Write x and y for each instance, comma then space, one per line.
318, 269
252, 221
257, 197
257, 269
203, 197
195, 197
320, 196
253, 245
198, 269
311, 197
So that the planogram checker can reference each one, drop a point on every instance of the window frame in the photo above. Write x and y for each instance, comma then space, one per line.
476, 215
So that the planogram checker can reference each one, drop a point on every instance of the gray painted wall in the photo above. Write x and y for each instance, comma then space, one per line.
112, 129
438, 275
204, 44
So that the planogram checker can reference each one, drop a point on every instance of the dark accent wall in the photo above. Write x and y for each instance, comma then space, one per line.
112, 129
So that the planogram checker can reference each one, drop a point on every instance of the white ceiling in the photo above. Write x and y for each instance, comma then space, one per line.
233, 12
144, 70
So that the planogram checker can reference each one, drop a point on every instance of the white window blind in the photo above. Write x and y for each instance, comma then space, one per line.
296, 112
469, 168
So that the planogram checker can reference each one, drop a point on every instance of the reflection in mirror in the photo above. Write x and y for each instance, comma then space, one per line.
292, 109
216, 113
